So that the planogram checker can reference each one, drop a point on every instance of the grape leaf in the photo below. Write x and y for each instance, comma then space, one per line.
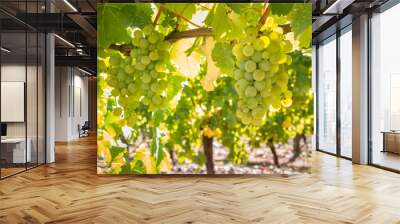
116, 151
226, 25
223, 58
185, 9
213, 72
117, 17
281, 9
305, 38
237, 7
301, 22
220, 21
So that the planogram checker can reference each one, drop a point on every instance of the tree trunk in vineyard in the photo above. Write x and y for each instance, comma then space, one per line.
208, 151
273, 150
296, 148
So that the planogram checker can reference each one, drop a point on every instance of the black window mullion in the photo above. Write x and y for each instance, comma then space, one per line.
338, 76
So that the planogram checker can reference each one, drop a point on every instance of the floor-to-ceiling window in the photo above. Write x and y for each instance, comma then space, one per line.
326, 104
385, 89
345, 59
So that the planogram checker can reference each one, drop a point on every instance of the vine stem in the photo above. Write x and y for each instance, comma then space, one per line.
198, 32
180, 16
158, 15
264, 15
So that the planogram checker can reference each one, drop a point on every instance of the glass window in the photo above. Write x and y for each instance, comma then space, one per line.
15, 151
22, 92
346, 92
327, 96
385, 89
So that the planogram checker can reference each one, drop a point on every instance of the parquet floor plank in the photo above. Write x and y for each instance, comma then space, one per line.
69, 191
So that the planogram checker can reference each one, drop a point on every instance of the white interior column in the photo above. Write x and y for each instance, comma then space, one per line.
50, 92
360, 90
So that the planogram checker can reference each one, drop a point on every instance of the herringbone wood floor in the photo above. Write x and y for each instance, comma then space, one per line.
69, 191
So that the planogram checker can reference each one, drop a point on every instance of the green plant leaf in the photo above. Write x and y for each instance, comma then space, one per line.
281, 9
116, 151
117, 17
301, 22
223, 58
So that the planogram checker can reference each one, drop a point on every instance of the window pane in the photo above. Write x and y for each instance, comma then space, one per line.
385, 86
346, 94
327, 96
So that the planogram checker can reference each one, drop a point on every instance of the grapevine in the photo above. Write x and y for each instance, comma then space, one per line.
232, 84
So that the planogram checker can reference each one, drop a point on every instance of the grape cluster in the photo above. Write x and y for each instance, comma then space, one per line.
261, 72
141, 76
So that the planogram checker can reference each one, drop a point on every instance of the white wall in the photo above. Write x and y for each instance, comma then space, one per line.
71, 94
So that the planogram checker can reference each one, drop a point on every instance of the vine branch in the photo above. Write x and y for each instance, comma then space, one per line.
264, 15
180, 16
158, 15
198, 32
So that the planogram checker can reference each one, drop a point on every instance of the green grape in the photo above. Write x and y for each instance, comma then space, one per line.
148, 29
153, 38
240, 64
140, 67
145, 60
248, 76
257, 57
259, 85
114, 61
259, 44
146, 78
287, 102
164, 45
159, 67
250, 91
245, 110
138, 34
265, 54
143, 44
238, 74
129, 69
131, 88
258, 112
264, 65
248, 50
153, 55
237, 50
251, 31
275, 36
146, 100
252, 103
250, 66
258, 75
274, 47
156, 100
124, 92
242, 84
274, 68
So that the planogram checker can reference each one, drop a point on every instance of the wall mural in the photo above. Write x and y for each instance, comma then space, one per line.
204, 88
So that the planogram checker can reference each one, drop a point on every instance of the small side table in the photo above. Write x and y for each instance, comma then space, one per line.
391, 141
